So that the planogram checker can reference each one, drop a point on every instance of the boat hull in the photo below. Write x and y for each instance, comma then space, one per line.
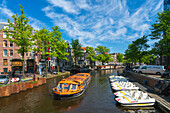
68, 96
137, 104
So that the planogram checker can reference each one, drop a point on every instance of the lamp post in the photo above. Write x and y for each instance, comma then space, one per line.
150, 60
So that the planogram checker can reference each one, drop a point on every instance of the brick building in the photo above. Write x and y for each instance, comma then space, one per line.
8, 53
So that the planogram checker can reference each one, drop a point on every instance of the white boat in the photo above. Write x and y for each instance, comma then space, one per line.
121, 83
118, 87
137, 99
125, 92
114, 78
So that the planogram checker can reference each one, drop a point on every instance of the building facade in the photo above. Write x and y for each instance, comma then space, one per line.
9, 58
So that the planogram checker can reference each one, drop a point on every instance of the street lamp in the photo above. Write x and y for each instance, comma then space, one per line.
150, 60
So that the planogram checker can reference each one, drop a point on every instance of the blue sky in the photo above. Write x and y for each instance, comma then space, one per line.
111, 23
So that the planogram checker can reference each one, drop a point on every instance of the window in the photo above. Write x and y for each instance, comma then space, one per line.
5, 43
74, 87
5, 62
10, 44
27, 54
144, 67
10, 52
4, 35
5, 52
5, 70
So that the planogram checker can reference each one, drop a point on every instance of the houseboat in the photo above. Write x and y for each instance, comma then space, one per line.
73, 86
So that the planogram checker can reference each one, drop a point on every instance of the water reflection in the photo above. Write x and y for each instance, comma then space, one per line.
67, 105
98, 98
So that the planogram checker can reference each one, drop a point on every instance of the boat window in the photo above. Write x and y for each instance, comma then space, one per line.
74, 87
60, 86
64, 86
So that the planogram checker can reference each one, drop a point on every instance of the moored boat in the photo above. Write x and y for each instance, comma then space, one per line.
73, 86
142, 99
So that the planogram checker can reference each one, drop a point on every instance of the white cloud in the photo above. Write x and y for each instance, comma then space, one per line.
82, 4
133, 36
102, 20
36, 24
68, 6
7, 13
159, 5
4, 10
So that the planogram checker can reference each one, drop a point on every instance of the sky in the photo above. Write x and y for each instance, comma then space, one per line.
111, 23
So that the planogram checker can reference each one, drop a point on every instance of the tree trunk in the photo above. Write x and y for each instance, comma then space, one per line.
46, 66
58, 65
23, 65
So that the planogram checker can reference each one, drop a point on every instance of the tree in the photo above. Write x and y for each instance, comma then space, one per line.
91, 54
149, 59
20, 31
161, 30
120, 57
131, 53
103, 55
58, 45
41, 39
141, 44
77, 51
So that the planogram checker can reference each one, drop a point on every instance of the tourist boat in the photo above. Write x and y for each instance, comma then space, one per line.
137, 99
73, 86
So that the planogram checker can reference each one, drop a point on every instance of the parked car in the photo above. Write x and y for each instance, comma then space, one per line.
16, 79
153, 69
4, 79
135, 69
166, 75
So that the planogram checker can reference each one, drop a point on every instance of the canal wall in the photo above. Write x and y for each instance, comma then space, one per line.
143, 79
14, 88
17, 87
157, 85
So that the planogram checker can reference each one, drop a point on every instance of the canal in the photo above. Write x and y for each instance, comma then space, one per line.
98, 98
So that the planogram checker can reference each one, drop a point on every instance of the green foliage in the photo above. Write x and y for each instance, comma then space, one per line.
120, 57
77, 51
149, 59
103, 55
58, 45
131, 54
41, 39
19, 32
161, 30
102, 50
137, 50
91, 53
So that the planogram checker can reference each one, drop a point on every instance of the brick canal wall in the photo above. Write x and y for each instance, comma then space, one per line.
143, 79
158, 85
22, 86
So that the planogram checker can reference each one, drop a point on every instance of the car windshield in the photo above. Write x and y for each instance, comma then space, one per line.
2, 77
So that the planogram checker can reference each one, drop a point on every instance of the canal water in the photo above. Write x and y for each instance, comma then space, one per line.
98, 98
